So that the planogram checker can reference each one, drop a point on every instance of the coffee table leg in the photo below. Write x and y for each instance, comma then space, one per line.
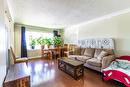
75, 73
58, 64
82, 71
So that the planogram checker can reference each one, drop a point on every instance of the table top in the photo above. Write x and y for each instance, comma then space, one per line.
71, 61
17, 71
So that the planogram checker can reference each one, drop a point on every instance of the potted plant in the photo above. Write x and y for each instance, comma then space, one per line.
41, 41
48, 42
57, 41
32, 42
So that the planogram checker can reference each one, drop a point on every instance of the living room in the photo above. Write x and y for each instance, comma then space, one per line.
65, 43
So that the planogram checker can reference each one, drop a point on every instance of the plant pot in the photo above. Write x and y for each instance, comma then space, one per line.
42, 46
58, 46
49, 46
32, 47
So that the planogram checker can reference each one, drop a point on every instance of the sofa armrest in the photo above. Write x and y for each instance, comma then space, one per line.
106, 61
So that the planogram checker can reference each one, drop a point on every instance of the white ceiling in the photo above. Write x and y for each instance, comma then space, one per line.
62, 13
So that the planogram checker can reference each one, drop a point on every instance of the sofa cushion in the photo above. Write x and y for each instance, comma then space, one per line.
102, 54
82, 58
97, 52
94, 62
72, 56
82, 51
89, 52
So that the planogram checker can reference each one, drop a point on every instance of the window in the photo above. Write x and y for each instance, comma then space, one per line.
36, 35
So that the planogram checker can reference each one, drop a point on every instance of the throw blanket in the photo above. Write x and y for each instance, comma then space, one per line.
120, 65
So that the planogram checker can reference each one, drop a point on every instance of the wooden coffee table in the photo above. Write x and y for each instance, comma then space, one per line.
72, 67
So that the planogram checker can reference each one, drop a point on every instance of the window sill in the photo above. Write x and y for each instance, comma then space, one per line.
33, 49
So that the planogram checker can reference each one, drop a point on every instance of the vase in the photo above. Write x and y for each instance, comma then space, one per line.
32, 47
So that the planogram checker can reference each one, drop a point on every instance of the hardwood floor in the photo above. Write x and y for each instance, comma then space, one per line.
45, 73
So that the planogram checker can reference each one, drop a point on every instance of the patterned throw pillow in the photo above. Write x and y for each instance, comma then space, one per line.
101, 55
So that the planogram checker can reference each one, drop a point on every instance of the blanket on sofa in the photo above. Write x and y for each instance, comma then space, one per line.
120, 65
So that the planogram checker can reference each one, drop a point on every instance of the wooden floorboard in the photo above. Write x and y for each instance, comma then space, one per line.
45, 73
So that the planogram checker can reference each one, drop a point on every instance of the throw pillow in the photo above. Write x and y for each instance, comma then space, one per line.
89, 52
82, 51
101, 55
97, 52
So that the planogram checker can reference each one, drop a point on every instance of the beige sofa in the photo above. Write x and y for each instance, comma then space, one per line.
93, 58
